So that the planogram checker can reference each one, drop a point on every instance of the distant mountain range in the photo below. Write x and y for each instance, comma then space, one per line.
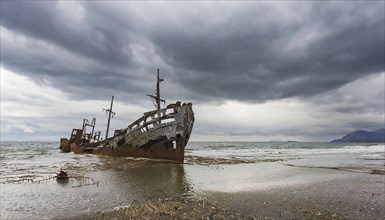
364, 136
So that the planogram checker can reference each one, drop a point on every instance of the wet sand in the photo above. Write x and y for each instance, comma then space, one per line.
359, 196
247, 183
319, 193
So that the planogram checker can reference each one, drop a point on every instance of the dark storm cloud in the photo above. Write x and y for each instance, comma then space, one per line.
85, 58
251, 51
255, 54
80, 79
94, 38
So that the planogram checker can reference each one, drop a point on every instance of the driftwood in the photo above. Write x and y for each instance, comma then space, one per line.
62, 177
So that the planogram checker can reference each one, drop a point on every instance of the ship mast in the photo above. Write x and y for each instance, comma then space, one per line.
110, 112
157, 95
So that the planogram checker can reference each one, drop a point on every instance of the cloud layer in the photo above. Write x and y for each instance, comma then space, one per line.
211, 53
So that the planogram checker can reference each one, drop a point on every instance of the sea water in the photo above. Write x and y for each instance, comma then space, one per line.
29, 189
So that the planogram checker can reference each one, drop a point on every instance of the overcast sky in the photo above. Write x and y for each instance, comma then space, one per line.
254, 71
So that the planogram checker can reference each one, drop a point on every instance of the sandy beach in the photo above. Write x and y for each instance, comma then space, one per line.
217, 181
358, 196
319, 193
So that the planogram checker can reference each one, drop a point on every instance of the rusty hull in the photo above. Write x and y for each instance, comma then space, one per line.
158, 134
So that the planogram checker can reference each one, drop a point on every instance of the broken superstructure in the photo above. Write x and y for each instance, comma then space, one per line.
159, 134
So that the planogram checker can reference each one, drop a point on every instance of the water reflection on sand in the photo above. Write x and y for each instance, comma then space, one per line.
117, 182
127, 182
148, 178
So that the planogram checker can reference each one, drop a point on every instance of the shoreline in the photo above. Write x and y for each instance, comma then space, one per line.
349, 196
235, 182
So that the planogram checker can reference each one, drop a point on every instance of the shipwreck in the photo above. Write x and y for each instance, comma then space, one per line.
162, 133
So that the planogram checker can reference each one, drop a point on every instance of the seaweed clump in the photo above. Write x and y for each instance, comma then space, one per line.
171, 208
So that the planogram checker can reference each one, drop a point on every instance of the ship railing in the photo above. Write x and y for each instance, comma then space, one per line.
154, 119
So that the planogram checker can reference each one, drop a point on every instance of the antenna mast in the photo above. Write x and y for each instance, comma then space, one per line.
158, 80
157, 95
110, 112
